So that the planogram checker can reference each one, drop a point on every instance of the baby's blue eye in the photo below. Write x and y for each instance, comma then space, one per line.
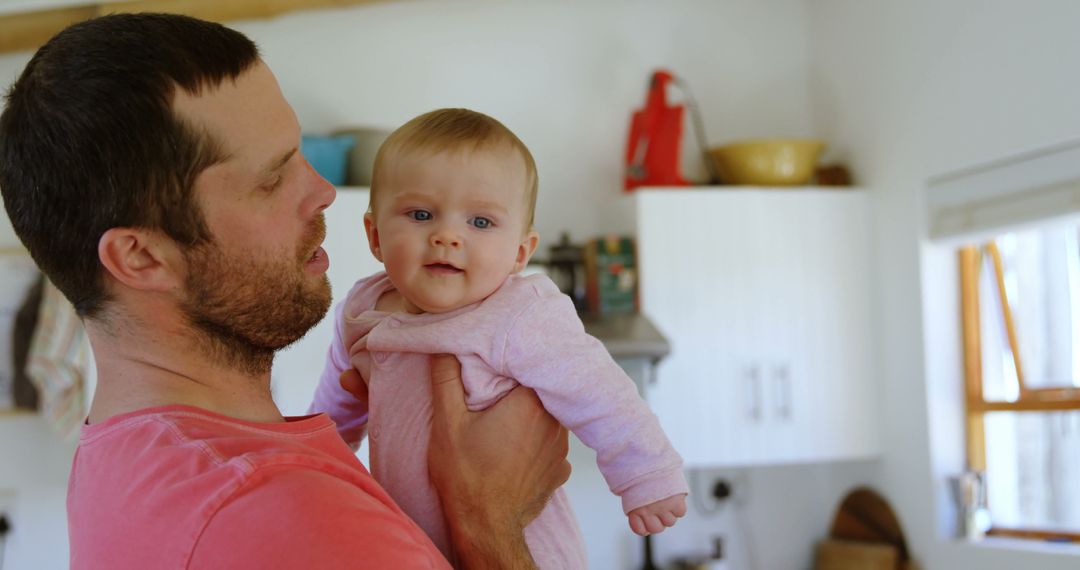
420, 215
481, 223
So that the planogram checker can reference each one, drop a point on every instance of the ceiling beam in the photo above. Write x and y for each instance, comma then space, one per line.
29, 30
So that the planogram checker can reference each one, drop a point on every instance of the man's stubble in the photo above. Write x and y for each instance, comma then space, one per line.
245, 309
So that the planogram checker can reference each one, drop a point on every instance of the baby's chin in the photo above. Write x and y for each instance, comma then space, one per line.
438, 305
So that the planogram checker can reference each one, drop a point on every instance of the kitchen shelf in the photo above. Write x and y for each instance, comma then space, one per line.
627, 336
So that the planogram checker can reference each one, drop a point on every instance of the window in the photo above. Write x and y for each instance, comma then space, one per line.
1021, 314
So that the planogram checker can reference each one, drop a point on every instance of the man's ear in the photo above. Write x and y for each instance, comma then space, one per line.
140, 259
525, 250
372, 235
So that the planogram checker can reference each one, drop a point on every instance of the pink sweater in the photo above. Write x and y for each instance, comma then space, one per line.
526, 332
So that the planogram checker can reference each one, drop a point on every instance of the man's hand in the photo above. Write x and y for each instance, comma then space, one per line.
494, 470
353, 383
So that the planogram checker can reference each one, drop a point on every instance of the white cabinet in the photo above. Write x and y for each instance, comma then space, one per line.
764, 295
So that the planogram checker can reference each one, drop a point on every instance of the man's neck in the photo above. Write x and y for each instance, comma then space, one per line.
144, 370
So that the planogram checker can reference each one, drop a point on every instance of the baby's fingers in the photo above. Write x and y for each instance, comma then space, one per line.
653, 524
638, 526
680, 507
668, 518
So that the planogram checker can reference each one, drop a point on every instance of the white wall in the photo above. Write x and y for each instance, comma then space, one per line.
565, 76
915, 89
34, 460
34, 467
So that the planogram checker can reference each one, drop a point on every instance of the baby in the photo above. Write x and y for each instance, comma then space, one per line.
450, 218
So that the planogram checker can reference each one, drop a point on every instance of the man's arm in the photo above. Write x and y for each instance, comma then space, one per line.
494, 470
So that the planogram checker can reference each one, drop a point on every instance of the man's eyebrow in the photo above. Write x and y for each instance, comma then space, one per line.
278, 163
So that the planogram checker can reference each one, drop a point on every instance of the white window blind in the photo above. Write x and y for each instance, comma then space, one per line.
1018, 191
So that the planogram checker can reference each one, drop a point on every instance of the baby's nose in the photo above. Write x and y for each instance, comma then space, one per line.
445, 237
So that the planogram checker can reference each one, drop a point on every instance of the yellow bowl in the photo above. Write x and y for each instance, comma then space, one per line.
767, 162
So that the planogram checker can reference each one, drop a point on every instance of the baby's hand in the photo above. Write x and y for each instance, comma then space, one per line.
653, 517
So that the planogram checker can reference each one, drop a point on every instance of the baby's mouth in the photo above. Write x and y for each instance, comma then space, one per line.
440, 268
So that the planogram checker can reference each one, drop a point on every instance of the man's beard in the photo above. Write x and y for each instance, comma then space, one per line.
245, 309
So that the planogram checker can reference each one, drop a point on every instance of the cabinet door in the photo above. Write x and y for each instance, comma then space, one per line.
764, 296
694, 266
837, 354
781, 324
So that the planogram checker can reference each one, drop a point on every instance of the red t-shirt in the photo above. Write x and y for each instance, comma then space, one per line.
180, 487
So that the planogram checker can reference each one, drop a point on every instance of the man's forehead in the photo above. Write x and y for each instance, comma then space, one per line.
248, 116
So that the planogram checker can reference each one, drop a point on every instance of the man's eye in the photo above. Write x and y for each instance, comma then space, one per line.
420, 215
275, 183
481, 222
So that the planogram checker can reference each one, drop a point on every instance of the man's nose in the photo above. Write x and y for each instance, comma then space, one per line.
321, 193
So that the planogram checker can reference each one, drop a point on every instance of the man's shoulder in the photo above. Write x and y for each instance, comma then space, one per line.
293, 515
179, 453
302, 492
155, 486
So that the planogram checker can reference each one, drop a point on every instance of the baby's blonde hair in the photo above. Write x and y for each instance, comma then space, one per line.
451, 130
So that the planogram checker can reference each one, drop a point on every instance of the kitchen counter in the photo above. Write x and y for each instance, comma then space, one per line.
628, 336
633, 341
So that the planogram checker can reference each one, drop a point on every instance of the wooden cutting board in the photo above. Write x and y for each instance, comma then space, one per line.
835, 554
865, 517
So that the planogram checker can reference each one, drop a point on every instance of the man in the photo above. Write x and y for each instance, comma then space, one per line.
149, 163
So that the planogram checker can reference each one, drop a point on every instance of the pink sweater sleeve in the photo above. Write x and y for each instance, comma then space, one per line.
350, 414
548, 350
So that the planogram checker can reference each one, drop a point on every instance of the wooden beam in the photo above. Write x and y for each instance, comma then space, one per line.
220, 11
970, 261
29, 30
1044, 394
1032, 534
1026, 406
1006, 311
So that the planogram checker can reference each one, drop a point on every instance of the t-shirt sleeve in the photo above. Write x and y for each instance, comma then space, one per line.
548, 350
302, 518
349, 414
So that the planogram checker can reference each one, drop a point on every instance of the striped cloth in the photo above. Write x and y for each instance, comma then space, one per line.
58, 362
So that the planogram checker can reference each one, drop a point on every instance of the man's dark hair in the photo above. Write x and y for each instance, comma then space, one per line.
89, 140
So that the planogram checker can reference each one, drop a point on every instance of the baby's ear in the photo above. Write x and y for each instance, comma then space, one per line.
525, 250
372, 235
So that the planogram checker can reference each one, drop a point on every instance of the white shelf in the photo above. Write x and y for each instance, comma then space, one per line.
736, 188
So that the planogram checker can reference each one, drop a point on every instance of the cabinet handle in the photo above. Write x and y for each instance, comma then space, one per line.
753, 376
782, 382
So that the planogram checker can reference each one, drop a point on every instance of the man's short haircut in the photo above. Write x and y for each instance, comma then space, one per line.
89, 139
455, 130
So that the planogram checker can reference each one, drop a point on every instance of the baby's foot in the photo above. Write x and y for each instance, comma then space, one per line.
654, 517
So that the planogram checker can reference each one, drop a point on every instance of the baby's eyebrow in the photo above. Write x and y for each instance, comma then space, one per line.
489, 206
411, 197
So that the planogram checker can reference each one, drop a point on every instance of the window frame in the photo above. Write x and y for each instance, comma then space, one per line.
976, 406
